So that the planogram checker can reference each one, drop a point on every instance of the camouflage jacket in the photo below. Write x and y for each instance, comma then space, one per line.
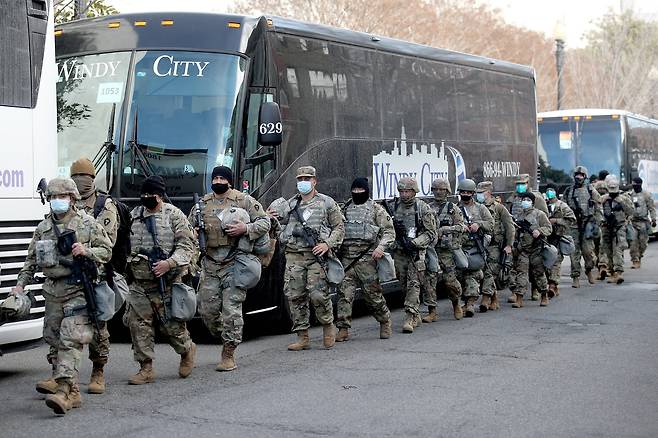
503, 232
475, 213
366, 225
538, 221
514, 204
616, 211
108, 216
585, 202
645, 206
321, 214
561, 216
419, 220
450, 224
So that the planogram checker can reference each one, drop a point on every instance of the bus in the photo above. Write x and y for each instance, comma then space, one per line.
29, 149
179, 93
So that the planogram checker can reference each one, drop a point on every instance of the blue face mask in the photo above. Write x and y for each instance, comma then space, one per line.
526, 203
304, 187
59, 206
550, 194
521, 188
480, 197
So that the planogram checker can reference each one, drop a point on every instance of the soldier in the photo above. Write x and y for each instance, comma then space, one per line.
480, 225
501, 241
313, 229
562, 218
83, 173
585, 203
617, 210
220, 300
415, 230
450, 227
522, 185
532, 225
369, 233
67, 327
157, 227
644, 217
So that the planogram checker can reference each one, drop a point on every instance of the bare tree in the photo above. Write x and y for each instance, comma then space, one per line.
65, 9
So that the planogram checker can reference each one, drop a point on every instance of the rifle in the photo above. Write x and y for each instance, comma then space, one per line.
524, 225
311, 236
156, 255
504, 267
198, 216
477, 238
401, 234
581, 219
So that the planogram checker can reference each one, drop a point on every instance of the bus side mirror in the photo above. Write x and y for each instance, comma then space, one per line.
270, 128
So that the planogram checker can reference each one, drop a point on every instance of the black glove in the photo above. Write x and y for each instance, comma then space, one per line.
653, 223
409, 245
618, 207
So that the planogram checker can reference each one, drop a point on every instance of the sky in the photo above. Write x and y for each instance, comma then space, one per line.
569, 19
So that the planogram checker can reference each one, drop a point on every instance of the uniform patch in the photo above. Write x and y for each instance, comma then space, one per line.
107, 221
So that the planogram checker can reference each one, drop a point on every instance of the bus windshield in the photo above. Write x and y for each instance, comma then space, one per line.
184, 107
565, 144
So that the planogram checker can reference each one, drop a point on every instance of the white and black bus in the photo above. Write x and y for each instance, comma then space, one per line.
178, 93
27, 145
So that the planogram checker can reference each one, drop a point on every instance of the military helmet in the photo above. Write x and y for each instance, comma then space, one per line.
408, 183
613, 186
581, 169
62, 186
485, 186
466, 185
281, 207
234, 215
15, 307
522, 178
441, 183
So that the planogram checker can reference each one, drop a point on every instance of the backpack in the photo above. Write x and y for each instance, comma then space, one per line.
121, 248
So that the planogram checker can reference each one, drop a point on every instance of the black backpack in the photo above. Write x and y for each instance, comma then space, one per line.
121, 248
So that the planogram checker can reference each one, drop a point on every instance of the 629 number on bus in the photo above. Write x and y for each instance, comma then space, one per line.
270, 128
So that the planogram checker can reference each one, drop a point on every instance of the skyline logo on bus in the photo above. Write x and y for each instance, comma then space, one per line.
72, 69
425, 163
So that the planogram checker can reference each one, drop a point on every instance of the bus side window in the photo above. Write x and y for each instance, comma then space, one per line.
257, 173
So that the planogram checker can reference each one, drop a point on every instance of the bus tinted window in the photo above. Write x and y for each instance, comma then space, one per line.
472, 117
186, 104
15, 76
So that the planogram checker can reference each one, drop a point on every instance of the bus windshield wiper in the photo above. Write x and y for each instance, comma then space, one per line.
104, 154
138, 155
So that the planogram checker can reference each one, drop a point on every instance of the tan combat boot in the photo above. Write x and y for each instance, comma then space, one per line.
343, 335
591, 278
494, 305
97, 380
469, 308
620, 277
457, 310
612, 278
552, 288
74, 396
228, 358
59, 402
187, 362
328, 336
302, 343
145, 374
408, 326
603, 272
385, 329
518, 302
431, 315
511, 299
636, 264
544, 299
575, 282
535, 295
484, 303
47, 386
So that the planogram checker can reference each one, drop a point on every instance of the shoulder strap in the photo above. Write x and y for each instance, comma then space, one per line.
99, 205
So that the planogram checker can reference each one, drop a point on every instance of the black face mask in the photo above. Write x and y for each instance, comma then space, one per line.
465, 198
360, 198
636, 188
579, 181
149, 202
219, 188
613, 195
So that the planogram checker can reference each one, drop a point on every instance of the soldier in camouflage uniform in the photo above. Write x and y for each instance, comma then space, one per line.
220, 301
305, 278
585, 203
602, 189
157, 224
617, 210
415, 231
644, 217
67, 326
450, 227
562, 218
83, 173
502, 239
528, 260
480, 224
368, 234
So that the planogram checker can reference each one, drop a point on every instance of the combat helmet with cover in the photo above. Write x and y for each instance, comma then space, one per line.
441, 183
15, 307
62, 186
581, 170
408, 183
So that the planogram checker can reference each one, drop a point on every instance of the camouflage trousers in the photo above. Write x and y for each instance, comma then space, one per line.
639, 245
145, 307
66, 335
553, 274
99, 348
447, 279
613, 244
220, 303
305, 282
528, 264
489, 281
362, 274
470, 281
409, 275
585, 250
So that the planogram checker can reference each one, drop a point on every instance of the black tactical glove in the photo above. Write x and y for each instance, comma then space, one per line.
618, 207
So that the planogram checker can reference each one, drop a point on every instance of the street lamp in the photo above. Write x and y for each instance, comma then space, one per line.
559, 60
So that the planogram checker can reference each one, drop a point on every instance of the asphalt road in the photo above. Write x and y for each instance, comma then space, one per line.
586, 366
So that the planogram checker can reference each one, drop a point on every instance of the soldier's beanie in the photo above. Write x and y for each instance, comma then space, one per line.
551, 186
360, 183
153, 185
637, 180
224, 172
83, 166
528, 195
